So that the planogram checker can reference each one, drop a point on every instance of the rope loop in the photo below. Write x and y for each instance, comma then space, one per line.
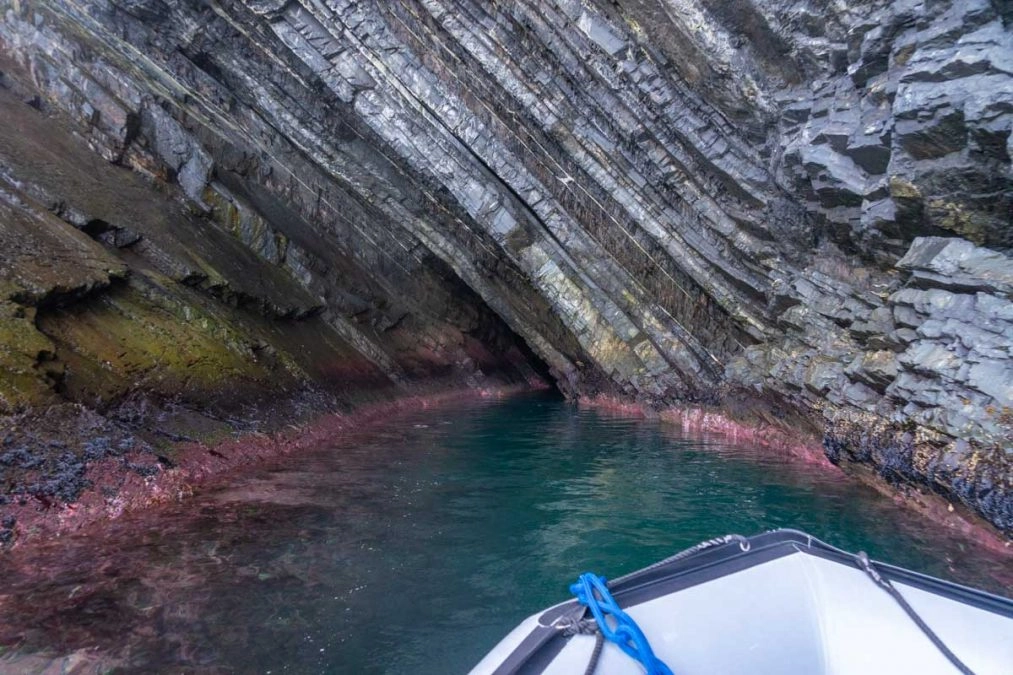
592, 592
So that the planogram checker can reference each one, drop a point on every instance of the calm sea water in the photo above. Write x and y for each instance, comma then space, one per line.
415, 548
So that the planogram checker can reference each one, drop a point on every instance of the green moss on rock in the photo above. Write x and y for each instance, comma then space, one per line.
27, 373
129, 339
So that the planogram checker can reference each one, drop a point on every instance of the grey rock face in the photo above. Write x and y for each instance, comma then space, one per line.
666, 201
910, 380
924, 117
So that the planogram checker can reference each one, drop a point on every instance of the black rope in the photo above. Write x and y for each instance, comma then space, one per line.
599, 642
573, 625
866, 565
570, 626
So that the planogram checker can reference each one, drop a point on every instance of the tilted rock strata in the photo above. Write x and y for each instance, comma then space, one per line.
133, 319
916, 383
668, 202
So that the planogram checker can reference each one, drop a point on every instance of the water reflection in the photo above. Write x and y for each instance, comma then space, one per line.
415, 548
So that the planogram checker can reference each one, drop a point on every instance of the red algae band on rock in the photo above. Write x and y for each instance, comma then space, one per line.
771, 436
764, 217
777, 438
114, 491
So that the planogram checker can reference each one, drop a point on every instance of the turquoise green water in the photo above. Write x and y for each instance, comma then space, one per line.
415, 548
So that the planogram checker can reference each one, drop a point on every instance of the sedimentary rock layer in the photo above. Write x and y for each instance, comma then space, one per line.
800, 202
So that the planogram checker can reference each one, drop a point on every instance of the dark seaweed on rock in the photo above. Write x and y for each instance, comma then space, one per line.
303, 206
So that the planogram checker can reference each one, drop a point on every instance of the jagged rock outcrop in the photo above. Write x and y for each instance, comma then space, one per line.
667, 202
916, 383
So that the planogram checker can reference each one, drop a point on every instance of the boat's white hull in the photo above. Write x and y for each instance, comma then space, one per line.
789, 605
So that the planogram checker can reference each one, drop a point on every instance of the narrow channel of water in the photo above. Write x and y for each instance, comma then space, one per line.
415, 547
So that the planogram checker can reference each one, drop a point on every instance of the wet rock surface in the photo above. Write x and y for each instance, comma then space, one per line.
670, 203
915, 382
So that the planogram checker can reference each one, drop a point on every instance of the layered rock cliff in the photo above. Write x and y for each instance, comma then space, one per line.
803, 205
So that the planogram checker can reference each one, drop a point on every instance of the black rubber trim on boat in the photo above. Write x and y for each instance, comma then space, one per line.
530, 647
640, 588
713, 563
543, 644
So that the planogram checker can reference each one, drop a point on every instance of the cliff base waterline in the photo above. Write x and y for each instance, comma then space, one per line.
117, 473
414, 546
797, 439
